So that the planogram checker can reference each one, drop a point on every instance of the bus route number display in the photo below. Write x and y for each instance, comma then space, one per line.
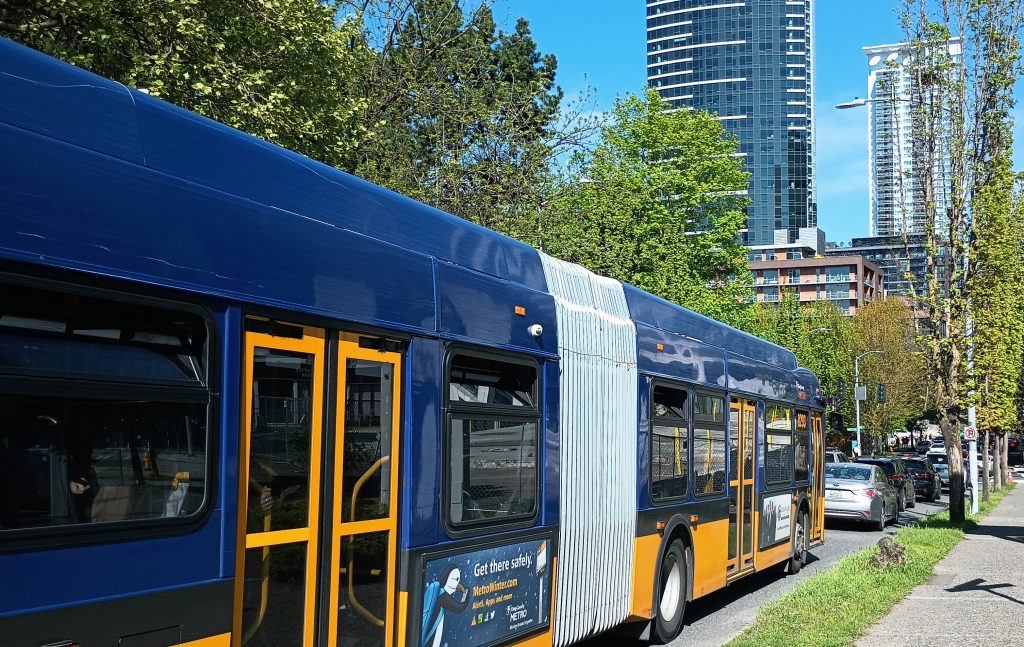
486, 596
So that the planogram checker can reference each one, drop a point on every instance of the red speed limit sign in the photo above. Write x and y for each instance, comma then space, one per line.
971, 433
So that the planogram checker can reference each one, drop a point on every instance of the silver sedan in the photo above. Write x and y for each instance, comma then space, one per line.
860, 492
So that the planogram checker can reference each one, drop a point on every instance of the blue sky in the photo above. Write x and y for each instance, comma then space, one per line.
602, 43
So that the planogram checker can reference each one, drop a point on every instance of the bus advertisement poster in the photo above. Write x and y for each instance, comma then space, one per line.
775, 519
487, 595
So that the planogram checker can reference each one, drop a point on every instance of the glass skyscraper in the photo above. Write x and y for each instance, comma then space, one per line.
751, 63
897, 200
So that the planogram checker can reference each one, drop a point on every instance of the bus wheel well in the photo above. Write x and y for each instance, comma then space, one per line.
805, 508
682, 533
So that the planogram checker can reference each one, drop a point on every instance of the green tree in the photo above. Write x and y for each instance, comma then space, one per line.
824, 343
960, 100
282, 70
888, 325
468, 117
657, 204
997, 307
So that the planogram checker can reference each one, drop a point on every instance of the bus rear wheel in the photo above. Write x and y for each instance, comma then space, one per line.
796, 562
668, 623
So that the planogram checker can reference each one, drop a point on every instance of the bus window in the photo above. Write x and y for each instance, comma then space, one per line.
669, 443
492, 441
111, 422
802, 446
778, 444
708, 444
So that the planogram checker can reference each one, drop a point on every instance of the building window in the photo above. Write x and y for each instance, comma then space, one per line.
794, 275
771, 277
838, 274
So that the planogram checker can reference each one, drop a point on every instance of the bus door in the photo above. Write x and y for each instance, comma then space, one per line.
279, 485
363, 527
818, 479
741, 486
283, 597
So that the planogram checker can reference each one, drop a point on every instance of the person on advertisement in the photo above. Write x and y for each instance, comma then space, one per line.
437, 599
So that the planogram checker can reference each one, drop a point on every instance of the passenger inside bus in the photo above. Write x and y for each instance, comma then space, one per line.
70, 461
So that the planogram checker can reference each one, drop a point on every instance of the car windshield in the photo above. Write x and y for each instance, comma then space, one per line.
917, 465
848, 471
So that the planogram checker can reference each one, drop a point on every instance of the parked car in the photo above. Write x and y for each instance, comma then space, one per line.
860, 492
833, 455
923, 446
940, 461
927, 482
896, 471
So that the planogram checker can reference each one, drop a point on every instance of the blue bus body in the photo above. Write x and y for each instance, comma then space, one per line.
106, 189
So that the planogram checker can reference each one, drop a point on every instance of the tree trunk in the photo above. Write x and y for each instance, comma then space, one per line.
997, 471
983, 451
1005, 459
951, 432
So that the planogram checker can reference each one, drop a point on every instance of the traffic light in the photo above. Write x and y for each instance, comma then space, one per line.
841, 389
881, 393
836, 422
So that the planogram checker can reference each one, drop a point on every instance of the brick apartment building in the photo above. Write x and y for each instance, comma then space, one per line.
847, 281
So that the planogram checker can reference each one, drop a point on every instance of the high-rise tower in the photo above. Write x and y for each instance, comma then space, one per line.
897, 201
750, 62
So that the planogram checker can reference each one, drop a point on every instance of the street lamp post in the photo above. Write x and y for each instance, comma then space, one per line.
856, 393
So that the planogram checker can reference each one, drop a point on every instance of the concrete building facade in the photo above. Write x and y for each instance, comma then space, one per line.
848, 281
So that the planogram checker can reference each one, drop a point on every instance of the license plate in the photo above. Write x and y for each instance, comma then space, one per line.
833, 494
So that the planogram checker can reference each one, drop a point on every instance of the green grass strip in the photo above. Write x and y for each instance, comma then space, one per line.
835, 607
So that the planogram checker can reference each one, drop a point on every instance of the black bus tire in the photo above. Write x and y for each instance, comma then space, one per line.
672, 585
796, 561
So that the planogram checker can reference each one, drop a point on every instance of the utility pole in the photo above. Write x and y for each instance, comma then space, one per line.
859, 395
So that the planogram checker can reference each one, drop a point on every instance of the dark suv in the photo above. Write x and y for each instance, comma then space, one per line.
926, 479
896, 471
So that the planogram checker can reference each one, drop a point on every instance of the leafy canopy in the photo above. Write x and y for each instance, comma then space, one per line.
659, 203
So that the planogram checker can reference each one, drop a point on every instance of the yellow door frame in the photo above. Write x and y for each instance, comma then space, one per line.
312, 343
736, 407
818, 480
339, 528
747, 479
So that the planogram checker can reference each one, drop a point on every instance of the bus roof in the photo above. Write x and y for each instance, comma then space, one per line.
116, 154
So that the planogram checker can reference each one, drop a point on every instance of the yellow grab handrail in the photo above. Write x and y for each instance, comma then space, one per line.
363, 611
264, 587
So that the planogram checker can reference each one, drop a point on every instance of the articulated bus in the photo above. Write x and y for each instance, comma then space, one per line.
247, 399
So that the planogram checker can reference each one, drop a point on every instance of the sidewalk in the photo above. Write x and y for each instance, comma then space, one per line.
976, 596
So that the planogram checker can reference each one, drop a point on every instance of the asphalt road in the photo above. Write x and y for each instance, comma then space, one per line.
717, 618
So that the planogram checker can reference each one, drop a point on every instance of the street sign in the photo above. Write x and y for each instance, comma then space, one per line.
860, 393
970, 433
